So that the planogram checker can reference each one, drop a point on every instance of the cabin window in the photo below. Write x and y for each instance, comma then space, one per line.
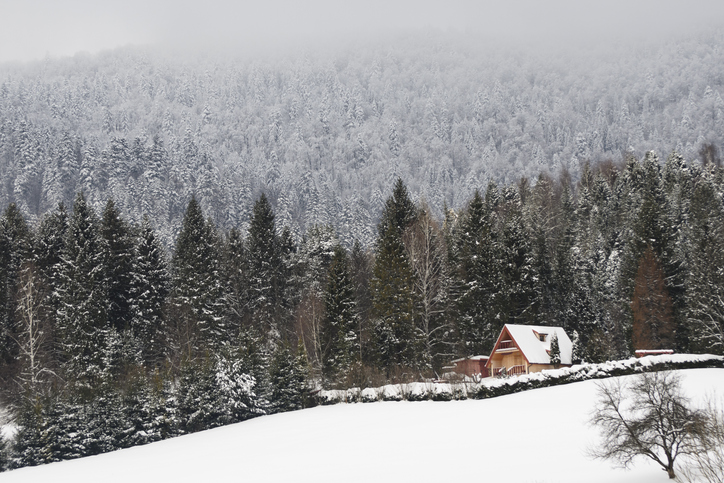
542, 337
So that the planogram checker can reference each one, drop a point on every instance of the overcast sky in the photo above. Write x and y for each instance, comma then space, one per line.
31, 29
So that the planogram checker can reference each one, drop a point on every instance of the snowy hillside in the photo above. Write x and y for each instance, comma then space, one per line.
535, 436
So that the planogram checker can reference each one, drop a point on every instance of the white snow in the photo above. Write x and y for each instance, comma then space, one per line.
536, 436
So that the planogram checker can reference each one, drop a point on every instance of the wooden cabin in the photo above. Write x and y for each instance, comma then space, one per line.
474, 366
523, 349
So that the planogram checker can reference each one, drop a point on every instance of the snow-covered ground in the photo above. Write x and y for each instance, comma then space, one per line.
536, 436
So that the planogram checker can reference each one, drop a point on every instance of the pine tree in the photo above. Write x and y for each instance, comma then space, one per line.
197, 397
15, 249
705, 291
481, 297
399, 211
266, 269
288, 376
150, 285
520, 298
49, 243
235, 274
196, 289
119, 268
82, 318
393, 305
555, 351
340, 325
395, 341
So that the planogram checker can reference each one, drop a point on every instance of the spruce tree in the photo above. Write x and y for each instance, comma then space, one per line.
518, 272
340, 325
705, 291
236, 284
15, 249
480, 293
266, 269
393, 305
82, 318
49, 243
196, 302
399, 211
555, 351
150, 285
395, 340
119, 268
288, 375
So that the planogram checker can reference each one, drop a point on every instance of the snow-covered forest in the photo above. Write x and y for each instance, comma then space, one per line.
324, 133
109, 338
189, 242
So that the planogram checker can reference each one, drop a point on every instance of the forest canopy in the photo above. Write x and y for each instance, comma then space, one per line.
324, 133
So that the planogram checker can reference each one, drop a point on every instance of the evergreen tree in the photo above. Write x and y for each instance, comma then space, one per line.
196, 289
235, 274
198, 402
399, 211
705, 292
288, 376
555, 351
518, 272
82, 318
217, 391
119, 242
150, 286
395, 339
339, 332
15, 249
266, 269
651, 228
49, 243
393, 305
481, 298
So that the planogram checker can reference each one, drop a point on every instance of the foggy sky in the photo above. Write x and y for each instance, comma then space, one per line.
32, 29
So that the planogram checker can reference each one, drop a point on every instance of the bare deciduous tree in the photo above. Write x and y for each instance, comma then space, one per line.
707, 462
647, 416
33, 331
426, 250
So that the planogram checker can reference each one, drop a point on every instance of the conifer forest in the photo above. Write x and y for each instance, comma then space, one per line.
188, 244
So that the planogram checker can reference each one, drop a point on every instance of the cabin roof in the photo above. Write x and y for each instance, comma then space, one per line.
535, 351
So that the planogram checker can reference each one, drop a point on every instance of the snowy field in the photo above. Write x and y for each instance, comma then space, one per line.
536, 436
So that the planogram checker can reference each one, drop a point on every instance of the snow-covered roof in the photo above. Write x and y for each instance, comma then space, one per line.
526, 337
471, 358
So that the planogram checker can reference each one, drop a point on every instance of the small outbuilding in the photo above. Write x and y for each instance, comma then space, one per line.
474, 366
522, 349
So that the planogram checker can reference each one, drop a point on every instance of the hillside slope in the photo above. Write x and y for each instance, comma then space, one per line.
535, 436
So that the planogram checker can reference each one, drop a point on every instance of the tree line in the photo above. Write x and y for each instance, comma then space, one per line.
107, 340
